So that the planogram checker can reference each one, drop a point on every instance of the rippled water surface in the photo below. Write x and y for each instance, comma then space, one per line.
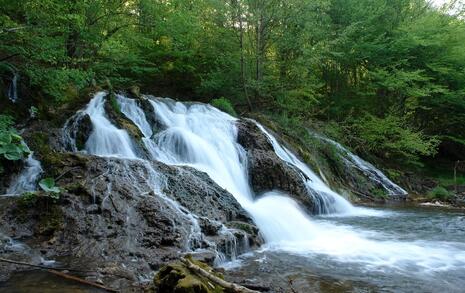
407, 250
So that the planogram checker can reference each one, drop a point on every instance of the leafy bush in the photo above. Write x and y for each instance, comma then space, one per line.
390, 138
439, 192
12, 147
224, 105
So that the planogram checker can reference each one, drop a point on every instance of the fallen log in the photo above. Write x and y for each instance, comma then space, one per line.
225, 284
82, 281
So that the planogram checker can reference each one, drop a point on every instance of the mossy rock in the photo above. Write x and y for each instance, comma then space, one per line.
246, 227
177, 278
116, 117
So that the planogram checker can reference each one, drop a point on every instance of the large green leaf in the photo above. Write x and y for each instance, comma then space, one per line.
5, 137
11, 152
48, 185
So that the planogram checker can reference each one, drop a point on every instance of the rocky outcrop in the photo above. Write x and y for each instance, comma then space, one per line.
119, 119
266, 170
114, 216
79, 127
177, 278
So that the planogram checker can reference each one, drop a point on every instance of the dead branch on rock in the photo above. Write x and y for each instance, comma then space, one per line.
225, 284
79, 280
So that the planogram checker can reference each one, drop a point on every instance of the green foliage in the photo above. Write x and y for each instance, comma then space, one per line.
389, 138
12, 147
380, 193
28, 199
48, 185
440, 193
392, 67
114, 104
224, 105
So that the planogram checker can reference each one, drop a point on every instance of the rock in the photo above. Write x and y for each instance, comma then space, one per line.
266, 170
110, 214
79, 127
205, 256
177, 278
200, 194
209, 227
135, 91
118, 118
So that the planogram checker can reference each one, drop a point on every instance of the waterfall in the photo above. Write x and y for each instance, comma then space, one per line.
370, 171
202, 137
13, 88
205, 138
328, 201
106, 139
26, 180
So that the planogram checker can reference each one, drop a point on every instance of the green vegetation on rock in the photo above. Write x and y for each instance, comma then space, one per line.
382, 77
440, 193
224, 105
177, 278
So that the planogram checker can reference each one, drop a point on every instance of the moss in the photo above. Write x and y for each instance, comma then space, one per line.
251, 230
51, 220
177, 278
380, 193
114, 114
190, 284
114, 103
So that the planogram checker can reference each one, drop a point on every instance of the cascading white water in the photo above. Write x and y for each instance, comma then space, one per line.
106, 139
328, 201
26, 180
367, 168
202, 137
13, 88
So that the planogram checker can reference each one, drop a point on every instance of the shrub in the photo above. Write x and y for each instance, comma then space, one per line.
224, 105
390, 138
439, 192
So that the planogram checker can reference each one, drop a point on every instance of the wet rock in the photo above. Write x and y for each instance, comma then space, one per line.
205, 256
266, 170
111, 214
201, 195
177, 278
79, 129
117, 118
209, 227
134, 91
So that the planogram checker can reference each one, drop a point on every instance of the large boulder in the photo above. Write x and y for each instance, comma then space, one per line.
114, 216
266, 170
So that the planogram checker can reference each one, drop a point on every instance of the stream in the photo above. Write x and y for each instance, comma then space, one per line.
419, 250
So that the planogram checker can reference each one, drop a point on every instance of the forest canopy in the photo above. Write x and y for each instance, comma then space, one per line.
389, 73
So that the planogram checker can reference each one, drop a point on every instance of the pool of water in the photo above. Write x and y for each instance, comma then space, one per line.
43, 282
402, 249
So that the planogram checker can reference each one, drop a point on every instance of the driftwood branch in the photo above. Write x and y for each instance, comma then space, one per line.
79, 280
66, 172
227, 285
